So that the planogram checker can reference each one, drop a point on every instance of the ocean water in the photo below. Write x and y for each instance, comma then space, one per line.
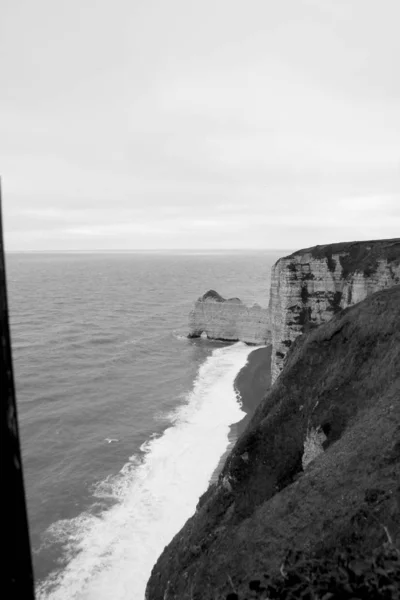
122, 418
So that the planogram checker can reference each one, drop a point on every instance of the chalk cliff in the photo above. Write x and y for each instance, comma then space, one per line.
311, 285
229, 320
308, 502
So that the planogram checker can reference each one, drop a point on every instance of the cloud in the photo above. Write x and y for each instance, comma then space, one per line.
269, 125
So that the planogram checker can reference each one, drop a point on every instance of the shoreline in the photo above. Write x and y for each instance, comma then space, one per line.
252, 383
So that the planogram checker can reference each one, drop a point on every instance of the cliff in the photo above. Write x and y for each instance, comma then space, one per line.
311, 285
314, 476
229, 320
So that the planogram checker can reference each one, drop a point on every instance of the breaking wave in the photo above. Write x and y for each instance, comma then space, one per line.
110, 553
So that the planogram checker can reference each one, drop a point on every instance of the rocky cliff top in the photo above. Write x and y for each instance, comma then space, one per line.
213, 296
316, 472
360, 257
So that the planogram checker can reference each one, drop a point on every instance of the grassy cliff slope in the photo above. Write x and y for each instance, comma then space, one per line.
341, 387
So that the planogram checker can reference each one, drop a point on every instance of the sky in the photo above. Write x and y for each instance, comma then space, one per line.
160, 124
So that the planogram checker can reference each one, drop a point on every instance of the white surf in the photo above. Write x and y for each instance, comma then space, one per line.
111, 555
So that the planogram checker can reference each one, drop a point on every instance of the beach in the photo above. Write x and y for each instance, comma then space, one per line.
252, 383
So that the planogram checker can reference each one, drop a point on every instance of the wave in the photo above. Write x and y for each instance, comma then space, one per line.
180, 336
110, 554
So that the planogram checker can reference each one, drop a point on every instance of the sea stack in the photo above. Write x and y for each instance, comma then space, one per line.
229, 320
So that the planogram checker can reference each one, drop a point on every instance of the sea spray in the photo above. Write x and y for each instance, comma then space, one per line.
110, 554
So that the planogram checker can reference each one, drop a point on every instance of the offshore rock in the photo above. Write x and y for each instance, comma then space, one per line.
335, 409
229, 320
311, 285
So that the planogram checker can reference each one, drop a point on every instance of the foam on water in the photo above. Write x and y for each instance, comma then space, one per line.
111, 555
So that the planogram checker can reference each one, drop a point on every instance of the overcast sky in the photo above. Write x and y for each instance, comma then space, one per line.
199, 124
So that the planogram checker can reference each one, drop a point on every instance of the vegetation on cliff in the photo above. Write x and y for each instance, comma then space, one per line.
346, 575
362, 257
340, 516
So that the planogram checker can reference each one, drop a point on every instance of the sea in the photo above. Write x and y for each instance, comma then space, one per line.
122, 418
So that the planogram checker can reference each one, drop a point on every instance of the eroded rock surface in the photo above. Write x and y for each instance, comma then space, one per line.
229, 320
310, 286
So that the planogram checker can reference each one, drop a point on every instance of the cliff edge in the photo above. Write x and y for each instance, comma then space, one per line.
315, 474
229, 320
311, 285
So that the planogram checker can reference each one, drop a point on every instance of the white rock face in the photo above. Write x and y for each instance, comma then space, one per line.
308, 287
229, 320
313, 446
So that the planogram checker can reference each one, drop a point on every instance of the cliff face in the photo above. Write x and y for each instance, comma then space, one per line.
317, 470
229, 320
310, 286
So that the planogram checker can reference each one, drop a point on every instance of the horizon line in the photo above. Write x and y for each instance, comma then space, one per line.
143, 251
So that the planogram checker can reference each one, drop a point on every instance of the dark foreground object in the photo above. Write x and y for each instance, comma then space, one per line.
268, 528
17, 578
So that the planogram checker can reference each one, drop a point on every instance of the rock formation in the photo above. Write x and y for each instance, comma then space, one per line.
337, 401
310, 286
229, 320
